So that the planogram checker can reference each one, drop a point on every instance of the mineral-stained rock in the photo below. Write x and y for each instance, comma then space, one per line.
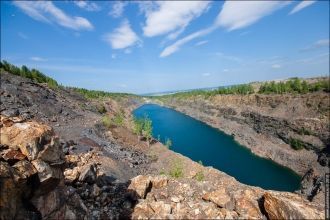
219, 197
71, 175
25, 168
28, 136
159, 181
246, 204
49, 176
49, 202
9, 192
282, 205
88, 173
52, 152
141, 185
12, 155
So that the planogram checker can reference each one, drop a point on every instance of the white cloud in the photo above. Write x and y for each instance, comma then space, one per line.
301, 6
318, 44
227, 57
122, 37
239, 14
176, 46
276, 66
113, 56
206, 74
88, 6
46, 11
38, 59
225, 70
117, 9
165, 17
233, 15
201, 43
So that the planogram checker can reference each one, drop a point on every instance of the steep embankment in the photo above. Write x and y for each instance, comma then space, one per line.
58, 161
267, 124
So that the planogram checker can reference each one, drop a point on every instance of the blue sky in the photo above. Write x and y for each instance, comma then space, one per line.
145, 47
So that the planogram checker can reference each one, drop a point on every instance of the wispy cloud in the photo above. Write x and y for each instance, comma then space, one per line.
206, 74
117, 9
276, 66
46, 11
22, 35
301, 6
176, 46
233, 15
323, 43
38, 59
122, 37
239, 14
87, 5
201, 43
166, 17
228, 57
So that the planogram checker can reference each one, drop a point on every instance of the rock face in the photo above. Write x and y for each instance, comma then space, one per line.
31, 176
269, 124
290, 206
184, 199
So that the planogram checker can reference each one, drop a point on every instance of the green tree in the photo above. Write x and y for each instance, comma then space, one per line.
147, 129
168, 143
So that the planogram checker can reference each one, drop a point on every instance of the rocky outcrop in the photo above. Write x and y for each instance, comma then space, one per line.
31, 176
186, 199
268, 125
289, 206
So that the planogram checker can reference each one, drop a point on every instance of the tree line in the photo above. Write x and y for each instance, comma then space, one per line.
33, 74
294, 86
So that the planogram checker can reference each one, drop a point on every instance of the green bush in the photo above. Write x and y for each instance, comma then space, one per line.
176, 169
296, 144
168, 143
118, 119
106, 121
143, 127
101, 109
199, 176
304, 131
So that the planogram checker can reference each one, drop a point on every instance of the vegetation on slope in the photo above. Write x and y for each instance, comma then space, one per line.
143, 127
292, 86
40, 77
33, 74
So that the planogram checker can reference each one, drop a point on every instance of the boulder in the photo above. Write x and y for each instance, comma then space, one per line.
49, 176
25, 168
88, 173
52, 152
141, 185
71, 175
219, 197
28, 136
282, 205
10, 200
159, 181
11, 155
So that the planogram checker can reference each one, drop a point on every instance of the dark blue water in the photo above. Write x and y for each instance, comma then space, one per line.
200, 141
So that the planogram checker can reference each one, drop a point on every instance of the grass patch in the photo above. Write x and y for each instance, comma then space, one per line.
101, 109
176, 169
199, 176
106, 121
304, 131
296, 144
